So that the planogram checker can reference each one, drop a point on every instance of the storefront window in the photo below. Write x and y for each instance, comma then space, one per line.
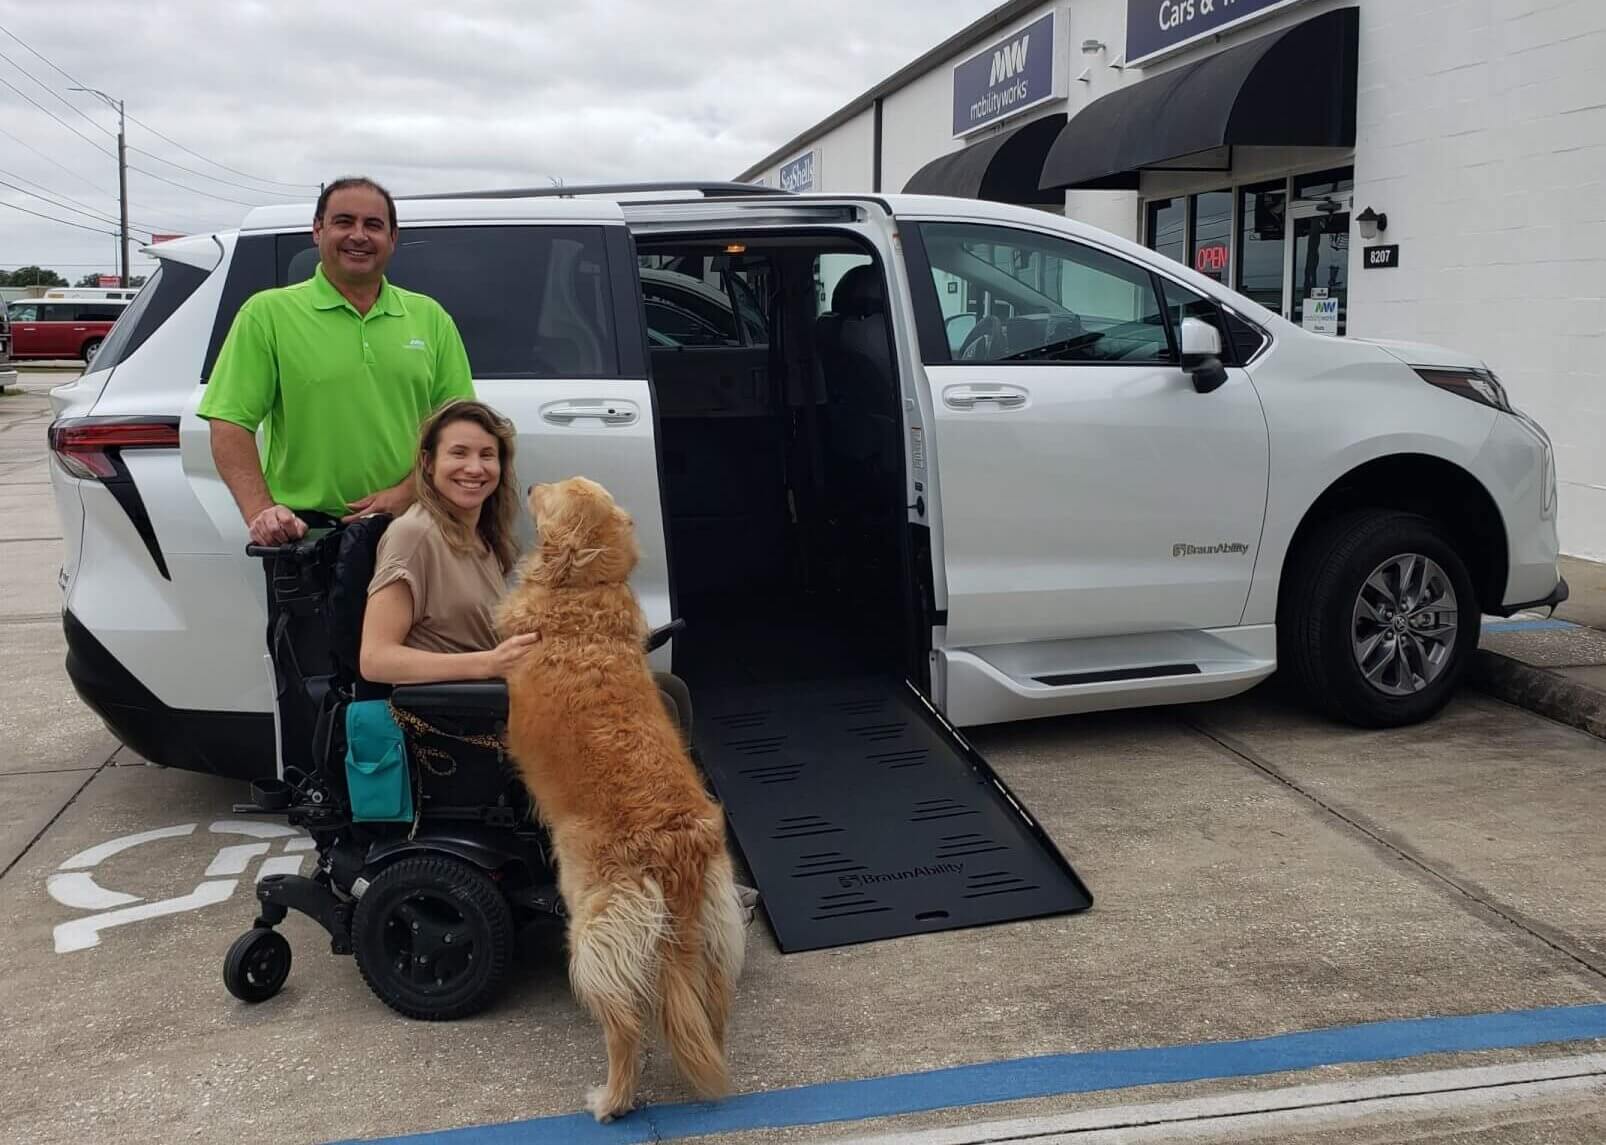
1321, 250
1168, 228
1211, 248
1261, 238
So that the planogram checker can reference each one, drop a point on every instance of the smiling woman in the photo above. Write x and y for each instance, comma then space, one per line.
441, 565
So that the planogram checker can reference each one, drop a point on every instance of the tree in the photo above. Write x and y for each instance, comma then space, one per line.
32, 276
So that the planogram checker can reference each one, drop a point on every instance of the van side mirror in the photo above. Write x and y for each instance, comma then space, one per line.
1201, 355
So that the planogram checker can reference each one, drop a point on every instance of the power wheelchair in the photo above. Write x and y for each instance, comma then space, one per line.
430, 909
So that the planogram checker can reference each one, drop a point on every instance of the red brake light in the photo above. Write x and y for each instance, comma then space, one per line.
87, 447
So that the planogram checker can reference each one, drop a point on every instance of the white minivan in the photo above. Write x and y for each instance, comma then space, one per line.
1024, 465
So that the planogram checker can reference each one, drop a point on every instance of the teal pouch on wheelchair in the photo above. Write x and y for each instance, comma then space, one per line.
378, 780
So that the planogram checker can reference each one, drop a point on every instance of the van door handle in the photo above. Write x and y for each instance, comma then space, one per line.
591, 409
984, 395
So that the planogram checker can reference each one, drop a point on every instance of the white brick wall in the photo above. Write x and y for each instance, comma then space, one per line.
1482, 134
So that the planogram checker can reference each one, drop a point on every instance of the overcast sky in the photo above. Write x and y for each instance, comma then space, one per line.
477, 93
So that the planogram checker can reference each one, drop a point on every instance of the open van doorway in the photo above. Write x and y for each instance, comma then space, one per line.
781, 435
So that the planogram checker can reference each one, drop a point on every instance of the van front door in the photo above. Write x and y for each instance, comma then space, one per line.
1087, 490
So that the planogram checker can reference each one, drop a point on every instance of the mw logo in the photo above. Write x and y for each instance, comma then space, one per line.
1009, 59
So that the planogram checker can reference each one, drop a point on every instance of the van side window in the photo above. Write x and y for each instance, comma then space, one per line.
24, 311
529, 301
1240, 340
167, 289
704, 300
1009, 295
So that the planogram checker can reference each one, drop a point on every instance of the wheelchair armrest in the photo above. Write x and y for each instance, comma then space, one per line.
478, 699
663, 634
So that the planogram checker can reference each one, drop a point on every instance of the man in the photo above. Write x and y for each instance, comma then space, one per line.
342, 368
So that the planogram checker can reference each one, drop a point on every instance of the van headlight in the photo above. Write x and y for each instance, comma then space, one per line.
1480, 386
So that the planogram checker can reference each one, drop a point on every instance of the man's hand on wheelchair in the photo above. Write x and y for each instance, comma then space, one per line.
276, 525
393, 501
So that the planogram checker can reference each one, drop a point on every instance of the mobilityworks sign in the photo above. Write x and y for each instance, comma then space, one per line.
1154, 27
1006, 78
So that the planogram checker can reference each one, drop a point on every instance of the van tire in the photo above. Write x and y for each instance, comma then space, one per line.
89, 350
1322, 629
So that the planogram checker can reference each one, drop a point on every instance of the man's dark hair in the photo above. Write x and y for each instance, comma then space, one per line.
346, 181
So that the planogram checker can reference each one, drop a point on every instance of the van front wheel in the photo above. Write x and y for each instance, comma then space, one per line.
1380, 619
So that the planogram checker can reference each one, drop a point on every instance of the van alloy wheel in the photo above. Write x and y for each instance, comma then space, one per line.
1404, 624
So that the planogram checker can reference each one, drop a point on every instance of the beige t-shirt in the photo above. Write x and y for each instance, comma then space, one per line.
454, 592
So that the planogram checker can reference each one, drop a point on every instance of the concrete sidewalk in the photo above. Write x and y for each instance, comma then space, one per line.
1554, 666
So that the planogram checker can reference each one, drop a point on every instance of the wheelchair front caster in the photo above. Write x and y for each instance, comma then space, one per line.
257, 965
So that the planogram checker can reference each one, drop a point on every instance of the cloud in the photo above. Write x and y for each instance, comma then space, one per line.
479, 93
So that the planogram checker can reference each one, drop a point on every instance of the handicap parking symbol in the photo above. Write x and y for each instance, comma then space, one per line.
73, 883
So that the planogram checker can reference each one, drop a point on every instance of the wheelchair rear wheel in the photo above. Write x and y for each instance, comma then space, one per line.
433, 937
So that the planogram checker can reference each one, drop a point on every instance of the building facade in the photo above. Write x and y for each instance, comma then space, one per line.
1402, 169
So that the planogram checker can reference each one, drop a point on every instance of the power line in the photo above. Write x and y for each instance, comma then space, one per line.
80, 83
215, 163
81, 207
193, 190
57, 118
52, 219
214, 178
109, 155
90, 183
59, 97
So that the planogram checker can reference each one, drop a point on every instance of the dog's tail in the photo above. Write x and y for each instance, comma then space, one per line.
616, 941
702, 959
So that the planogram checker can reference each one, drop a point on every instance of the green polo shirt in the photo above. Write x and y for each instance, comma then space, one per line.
342, 394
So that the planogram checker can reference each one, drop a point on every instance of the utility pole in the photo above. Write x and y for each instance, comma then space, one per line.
122, 188
122, 175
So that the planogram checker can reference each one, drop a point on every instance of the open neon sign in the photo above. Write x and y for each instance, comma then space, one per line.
1211, 259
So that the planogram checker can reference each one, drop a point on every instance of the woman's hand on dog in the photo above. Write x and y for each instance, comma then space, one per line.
505, 657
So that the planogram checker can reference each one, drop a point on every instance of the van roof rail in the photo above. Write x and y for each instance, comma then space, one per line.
715, 190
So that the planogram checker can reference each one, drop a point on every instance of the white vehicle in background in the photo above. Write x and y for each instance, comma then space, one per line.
1030, 467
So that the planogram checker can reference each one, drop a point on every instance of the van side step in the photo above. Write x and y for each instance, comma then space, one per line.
1110, 675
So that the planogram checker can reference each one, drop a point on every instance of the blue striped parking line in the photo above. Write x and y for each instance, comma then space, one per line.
1525, 625
990, 1082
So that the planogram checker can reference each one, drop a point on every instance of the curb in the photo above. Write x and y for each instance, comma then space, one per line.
1540, 690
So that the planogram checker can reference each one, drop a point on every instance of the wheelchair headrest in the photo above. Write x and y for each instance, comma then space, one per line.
358, 545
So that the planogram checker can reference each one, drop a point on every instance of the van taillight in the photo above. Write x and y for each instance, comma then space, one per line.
88, 446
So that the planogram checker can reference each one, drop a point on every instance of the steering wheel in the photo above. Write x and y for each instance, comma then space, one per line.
988, 328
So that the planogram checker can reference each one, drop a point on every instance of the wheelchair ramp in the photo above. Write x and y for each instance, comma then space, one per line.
863, 816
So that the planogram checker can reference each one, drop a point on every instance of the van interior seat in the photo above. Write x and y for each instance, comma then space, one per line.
855, 354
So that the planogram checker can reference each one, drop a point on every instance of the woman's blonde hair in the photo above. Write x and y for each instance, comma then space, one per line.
500, 510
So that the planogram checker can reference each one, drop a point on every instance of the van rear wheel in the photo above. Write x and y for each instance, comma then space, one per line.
90, 349
1379, 620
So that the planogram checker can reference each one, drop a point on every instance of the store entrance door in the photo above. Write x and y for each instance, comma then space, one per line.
1318, 279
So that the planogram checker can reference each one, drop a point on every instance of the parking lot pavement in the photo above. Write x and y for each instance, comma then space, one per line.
1257, 873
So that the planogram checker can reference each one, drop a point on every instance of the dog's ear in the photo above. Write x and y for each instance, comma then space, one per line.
583, 557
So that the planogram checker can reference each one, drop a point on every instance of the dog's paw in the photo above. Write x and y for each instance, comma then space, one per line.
601, 1108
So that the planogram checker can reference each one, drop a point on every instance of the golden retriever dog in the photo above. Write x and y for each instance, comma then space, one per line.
655, 926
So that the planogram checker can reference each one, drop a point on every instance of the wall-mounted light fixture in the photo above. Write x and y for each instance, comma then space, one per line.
1371, 223
1089, 47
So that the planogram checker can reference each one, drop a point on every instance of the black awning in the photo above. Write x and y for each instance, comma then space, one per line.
1294, 88
1003, 168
